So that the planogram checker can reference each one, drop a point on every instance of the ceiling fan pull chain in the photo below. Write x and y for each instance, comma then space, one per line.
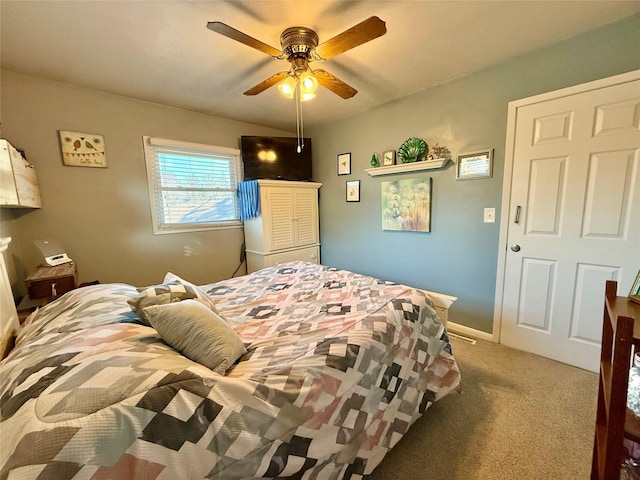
297, 94
299, 121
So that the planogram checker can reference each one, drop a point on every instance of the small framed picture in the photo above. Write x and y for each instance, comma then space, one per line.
344, 164
82, 149
353, 191
389, 158
475, 165
634, 294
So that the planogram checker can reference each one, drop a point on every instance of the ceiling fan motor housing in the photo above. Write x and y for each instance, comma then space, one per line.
298, 42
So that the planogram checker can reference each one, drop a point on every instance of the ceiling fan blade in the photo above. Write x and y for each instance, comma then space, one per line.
269, 82
237, 35
334, 84
361, 33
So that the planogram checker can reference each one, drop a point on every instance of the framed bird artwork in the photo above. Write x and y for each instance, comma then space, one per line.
82, 149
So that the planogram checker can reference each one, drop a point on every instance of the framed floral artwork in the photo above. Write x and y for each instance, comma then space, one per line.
406, 205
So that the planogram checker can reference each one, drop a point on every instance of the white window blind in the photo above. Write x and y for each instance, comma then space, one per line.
191, 186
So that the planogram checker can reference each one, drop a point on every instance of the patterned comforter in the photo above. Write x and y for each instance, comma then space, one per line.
338, 367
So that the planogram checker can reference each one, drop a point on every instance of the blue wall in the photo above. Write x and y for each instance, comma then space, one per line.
459, 256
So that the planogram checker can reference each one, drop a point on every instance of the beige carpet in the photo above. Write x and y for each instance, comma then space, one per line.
518, 416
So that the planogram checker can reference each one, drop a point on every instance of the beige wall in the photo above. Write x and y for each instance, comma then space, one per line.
102, 216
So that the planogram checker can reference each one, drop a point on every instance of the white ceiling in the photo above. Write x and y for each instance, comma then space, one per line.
161, 51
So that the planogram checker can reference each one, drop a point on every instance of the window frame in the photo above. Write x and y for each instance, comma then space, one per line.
161, 228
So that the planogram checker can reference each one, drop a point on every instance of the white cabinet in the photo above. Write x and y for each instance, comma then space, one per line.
18, 180
288, 226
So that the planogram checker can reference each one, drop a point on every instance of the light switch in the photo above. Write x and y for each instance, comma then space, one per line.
489, 215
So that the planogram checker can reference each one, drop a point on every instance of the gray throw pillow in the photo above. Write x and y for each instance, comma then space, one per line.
198, 333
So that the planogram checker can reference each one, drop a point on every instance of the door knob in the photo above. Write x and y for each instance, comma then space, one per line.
515, 248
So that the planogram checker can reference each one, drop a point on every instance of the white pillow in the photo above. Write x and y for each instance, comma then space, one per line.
202, 295
199, 333
171, 291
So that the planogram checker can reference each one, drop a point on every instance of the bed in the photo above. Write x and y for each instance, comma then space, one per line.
332, 369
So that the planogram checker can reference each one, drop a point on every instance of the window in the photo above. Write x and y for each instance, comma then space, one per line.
191, 186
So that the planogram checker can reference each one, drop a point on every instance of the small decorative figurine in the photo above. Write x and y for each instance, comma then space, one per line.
438, 151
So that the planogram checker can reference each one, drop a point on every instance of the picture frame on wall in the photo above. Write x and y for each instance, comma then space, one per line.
344, 163
389, 158
474, 165
82, 149
634, 293
353, 191
406, 204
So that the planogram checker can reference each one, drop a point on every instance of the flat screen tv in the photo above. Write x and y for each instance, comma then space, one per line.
275, 158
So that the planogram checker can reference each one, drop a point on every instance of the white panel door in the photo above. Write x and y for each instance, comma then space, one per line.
573, 219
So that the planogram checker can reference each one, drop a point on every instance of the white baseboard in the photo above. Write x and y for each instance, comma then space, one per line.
469, 332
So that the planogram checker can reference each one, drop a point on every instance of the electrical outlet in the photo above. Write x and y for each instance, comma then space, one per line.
489, 215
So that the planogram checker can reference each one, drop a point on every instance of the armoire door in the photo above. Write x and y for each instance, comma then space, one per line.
305, 216
278, 211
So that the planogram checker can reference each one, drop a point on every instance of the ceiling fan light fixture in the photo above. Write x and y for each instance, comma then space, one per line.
299, 47
307, 96
287, 87
308, 82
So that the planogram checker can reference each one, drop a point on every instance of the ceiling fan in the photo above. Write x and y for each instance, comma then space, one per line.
300, 47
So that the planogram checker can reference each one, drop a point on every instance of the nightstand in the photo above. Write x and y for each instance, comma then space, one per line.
44, 285
51, 282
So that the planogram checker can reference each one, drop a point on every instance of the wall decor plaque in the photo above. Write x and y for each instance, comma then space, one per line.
82, 149
475, 165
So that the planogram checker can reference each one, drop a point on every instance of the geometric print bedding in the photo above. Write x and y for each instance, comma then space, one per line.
338, 367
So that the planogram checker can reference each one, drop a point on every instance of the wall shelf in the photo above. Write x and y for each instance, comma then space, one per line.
407, 167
